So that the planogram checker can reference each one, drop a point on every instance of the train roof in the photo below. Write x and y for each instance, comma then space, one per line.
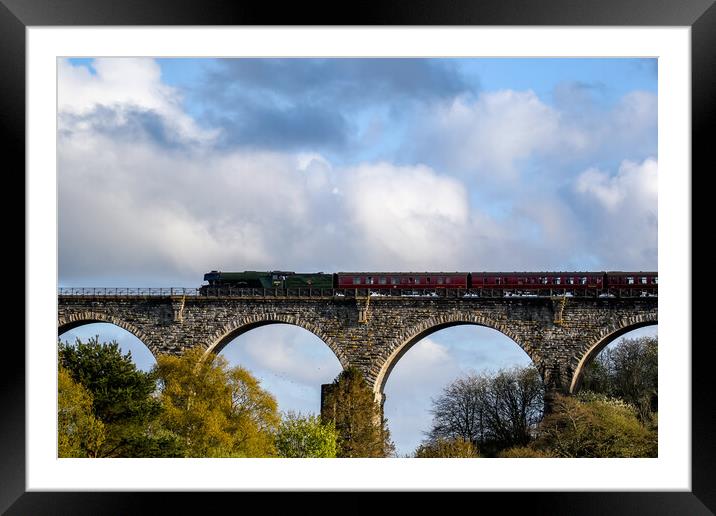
566, 272
438, 272
262, 272
632, 272
527, 273
397, 273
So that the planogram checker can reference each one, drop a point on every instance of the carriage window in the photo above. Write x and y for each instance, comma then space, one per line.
642, 280
383, 281
370, 280
655, 280
441, 280
583, 280
557, 281
570, 281
447, 280
428, 280
393, 281
543, 281
630, 280
356, 280
410, 280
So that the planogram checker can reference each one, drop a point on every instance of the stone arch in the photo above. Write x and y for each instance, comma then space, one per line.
605, 337
241, 325
77, 319
412, 335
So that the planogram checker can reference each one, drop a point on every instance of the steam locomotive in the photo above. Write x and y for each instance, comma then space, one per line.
604, 283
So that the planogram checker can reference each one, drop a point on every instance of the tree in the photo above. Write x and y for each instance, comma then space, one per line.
459, 413
122, 398
515, 403
593, 425
350, 405
628, 371
306, 436
447, 448
217, 411
79, 432
493, 412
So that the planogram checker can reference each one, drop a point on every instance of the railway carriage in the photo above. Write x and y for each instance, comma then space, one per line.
538, 283
381, 281
631, 284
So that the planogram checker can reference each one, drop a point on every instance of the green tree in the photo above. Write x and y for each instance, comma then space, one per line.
598, 376
350, 405
79, 432
593, 425
306, 436
122, 398
628, 371
217, 411
447, 448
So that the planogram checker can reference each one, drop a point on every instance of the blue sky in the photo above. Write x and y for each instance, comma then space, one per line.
169, 168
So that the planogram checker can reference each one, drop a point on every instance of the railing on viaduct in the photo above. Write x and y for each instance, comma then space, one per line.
339, 293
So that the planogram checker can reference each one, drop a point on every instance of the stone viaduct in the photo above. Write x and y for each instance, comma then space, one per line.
561, 335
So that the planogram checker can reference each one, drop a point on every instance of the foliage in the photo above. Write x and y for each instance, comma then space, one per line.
79, 432
121, 392
306, 436
493, 412
524, 452
592, 425
215, 410
447, 448
122, 398
628, 371
350, 405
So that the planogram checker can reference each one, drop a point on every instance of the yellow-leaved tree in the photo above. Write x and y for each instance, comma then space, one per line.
216, 410
79, 432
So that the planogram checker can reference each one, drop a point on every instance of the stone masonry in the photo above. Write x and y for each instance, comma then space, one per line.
561, 335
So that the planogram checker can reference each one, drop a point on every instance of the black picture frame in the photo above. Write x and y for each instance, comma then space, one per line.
700, 15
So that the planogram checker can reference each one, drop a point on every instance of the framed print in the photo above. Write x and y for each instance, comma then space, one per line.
39, 38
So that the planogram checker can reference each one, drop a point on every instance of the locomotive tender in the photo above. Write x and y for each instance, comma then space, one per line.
488, 284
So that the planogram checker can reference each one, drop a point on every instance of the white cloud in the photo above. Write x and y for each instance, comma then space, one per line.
489, 135
122, 84
635, 115
288, 352
500, 140
407, 216
634, 185
126, 207
624, 208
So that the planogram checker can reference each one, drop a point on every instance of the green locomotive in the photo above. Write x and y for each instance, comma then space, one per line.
265, 279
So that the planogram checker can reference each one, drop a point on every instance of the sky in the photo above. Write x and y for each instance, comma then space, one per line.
169, 168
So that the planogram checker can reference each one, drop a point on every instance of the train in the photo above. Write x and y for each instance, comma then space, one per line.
492, 284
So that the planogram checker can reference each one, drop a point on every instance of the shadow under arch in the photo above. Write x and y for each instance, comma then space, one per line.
604, 339
84, 318
429, 327
238, 327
